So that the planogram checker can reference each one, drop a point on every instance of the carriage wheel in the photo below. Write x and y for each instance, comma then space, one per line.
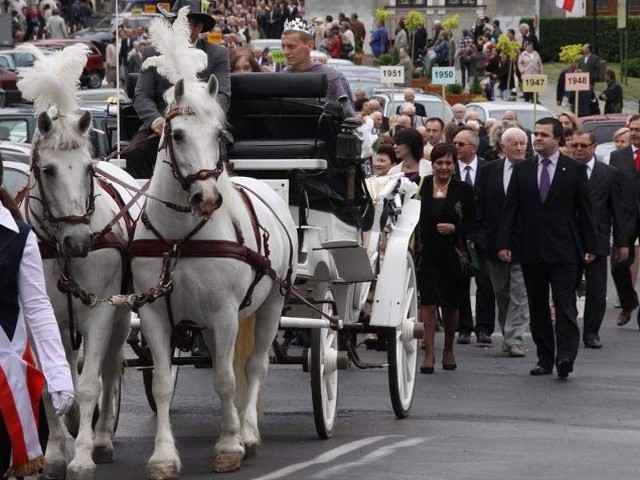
147, 374
323, 357
403, 347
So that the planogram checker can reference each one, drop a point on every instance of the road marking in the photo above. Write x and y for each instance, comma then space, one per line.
326, 457
371, 456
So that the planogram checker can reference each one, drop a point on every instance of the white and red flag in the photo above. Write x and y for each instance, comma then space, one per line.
21, 387
565, 4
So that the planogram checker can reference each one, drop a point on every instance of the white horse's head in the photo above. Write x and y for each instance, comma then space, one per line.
62, 166
193, 131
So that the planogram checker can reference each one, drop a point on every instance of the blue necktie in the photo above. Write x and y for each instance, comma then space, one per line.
545, 179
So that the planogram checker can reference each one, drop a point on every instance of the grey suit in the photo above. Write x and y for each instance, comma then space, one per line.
149, 103
592, 66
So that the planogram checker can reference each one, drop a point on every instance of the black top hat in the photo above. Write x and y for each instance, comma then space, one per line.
207, 20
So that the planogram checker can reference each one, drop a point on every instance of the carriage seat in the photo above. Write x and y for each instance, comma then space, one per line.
273, 149
249, 86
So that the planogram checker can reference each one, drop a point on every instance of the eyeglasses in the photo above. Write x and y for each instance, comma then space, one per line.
461, 144
581, 145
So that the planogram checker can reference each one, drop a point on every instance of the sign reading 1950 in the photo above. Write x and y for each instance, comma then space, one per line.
443, 75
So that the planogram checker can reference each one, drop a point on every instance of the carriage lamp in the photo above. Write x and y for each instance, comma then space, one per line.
349, 147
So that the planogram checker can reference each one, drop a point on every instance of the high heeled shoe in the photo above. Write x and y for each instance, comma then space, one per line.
449, 366
426, 370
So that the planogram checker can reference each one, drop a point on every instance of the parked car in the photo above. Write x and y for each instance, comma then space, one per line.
523, 110
604, 126
15, 176
94, 71
603, 151
367, 84
16, 152
9, 93
433, 104
18, 125
103, 31
276, 44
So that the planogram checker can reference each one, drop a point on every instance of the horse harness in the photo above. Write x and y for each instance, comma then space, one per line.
48, 241
169, 249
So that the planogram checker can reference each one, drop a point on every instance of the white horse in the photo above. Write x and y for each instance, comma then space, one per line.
208, 290
69, 211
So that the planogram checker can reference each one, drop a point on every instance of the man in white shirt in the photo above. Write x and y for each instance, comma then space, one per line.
433, 131
492, 182
466, 142
606, 201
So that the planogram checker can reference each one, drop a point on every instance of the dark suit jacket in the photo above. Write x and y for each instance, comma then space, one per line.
591, 65
557, 230
531, 37
481, 162
608, 209
459, 209
630, 185
148, 99
125, 47
490, 196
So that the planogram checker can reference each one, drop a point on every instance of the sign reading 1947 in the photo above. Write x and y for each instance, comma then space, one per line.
534, 83
392, 74
443, 75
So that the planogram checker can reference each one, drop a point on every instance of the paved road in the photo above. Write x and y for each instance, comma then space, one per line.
487, 420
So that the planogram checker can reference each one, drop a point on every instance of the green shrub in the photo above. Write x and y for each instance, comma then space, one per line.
558, 32
385, 59
475, 87
455, 88
633, 67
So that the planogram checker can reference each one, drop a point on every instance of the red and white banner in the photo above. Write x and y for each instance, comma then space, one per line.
21, 387
565, 5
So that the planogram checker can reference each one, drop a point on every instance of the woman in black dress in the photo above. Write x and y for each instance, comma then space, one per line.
447, 216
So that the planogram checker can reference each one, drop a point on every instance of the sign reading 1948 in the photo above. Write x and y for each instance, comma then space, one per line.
389, 74
443, 75
578, 81
534, 83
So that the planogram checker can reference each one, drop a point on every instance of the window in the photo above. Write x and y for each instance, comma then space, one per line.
461, 3
14, 130
407, 3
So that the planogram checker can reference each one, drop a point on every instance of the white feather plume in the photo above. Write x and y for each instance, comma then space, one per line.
54, 79
178, 59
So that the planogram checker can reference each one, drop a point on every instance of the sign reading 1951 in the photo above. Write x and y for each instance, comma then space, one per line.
534, 83
443, 75
392, 74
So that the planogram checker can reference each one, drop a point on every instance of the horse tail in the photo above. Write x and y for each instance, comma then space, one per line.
242, 350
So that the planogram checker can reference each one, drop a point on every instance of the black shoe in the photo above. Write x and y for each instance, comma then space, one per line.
426, 370
464, 338
564, 368
483, 337
592, 343
539, 370
449, 366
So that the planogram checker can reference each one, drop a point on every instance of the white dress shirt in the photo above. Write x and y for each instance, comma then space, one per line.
590, 164
551, 168
506, 174
473, 170
36, 309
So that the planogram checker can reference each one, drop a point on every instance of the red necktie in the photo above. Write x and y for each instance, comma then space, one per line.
638, 160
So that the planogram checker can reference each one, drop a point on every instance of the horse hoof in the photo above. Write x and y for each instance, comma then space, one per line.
86, 473
163, 471
55, 470
250, 451
102, 455
227, 462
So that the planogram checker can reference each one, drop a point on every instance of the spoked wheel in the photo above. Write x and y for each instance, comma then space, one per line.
147, 374
323, 365
403, 347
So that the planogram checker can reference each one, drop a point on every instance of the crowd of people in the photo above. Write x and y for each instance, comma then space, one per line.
522, 218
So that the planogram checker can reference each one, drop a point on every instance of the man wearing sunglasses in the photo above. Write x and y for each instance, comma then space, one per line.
606, 200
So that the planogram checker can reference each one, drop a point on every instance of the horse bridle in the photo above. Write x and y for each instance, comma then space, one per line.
46, 209
188, 180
